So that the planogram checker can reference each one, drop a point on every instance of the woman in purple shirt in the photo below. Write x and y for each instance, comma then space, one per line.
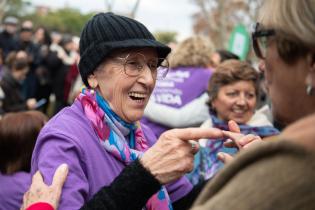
18, 133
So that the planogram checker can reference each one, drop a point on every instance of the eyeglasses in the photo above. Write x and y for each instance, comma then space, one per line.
260, 40
134, 65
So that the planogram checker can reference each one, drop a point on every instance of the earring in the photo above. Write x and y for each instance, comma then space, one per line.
309, 85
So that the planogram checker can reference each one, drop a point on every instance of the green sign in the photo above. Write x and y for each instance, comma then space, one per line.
239, 42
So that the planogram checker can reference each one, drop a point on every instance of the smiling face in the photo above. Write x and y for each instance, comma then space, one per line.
236, 101
126, 95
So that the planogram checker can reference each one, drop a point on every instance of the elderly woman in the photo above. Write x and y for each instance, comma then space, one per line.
99, 135
189, 63
277, 175
18, 133
233, 91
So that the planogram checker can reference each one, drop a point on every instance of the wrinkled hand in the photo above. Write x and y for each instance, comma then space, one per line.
235, 138
40, 192
173, 154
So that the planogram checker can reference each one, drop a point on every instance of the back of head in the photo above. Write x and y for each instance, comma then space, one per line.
10, 25
195, 51
15, 61
107, 32
294, 22
10, 20
227, 55
18, 134
229, 72
27, 25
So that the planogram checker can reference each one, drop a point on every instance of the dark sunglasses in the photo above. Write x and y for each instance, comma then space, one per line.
260, 38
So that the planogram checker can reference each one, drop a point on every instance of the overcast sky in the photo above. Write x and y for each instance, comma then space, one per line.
157, 15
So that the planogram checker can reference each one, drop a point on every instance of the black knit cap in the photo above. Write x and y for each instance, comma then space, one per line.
106, 32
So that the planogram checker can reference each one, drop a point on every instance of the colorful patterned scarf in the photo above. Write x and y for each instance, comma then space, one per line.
113, 132
206, 162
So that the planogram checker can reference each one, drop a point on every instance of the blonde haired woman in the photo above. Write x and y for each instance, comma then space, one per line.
277, 175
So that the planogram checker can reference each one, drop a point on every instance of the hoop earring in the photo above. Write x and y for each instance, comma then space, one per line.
309, 85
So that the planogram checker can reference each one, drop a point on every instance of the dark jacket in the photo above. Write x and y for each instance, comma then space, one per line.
13, 99
8, 43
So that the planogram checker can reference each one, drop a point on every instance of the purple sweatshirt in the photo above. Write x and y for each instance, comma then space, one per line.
70, 138
12, 189
181, 86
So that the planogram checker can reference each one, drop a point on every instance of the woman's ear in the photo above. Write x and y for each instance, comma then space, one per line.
93, 83
213, 104
313, 62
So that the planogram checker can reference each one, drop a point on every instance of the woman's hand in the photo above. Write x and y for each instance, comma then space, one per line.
31, 103
173, 154
40, 192
235, 138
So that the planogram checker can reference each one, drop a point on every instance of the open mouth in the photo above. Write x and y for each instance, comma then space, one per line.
136, 96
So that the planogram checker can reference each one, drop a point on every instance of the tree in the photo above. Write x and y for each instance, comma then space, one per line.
109, 4
66, 20
217, 18
165, 37
3, 3
13, 7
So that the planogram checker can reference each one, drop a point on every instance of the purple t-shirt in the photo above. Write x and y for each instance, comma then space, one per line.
12, 189
70, 138
181, 86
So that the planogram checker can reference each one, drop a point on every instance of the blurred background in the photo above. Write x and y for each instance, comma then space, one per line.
171, 21
39, 40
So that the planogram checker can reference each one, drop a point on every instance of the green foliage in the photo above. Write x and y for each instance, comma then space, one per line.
15, 7
165, 37
65, 20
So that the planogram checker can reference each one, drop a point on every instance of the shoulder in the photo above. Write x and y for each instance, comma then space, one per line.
12, 189
278, 166
261, 117
68, 131
69, 120
207, 124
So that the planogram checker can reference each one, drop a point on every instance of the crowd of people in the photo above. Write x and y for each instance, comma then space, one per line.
38, 68
155, 128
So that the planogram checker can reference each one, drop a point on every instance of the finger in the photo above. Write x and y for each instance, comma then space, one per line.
253, 143
194, 146
247, 139
197, 133
37, 179
229, 143
233, 126
225, 158
235, 137
60, 176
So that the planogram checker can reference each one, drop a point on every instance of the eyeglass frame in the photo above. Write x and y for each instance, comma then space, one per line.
257, 33
159, 65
